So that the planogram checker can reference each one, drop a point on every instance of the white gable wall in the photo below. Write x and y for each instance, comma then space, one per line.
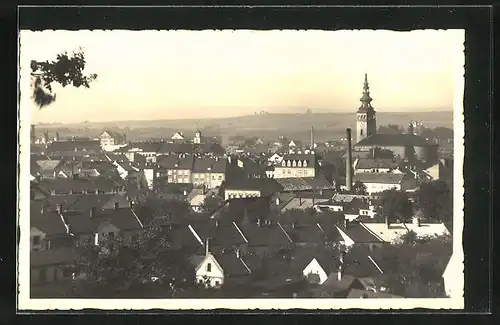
315, 268
215, 275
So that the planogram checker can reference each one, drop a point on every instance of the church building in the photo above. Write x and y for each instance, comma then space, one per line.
406, 146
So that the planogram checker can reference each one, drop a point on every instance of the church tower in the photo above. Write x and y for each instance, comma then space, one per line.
366, 123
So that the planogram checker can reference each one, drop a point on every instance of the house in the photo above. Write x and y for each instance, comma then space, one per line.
209, 172
270, 170
51, 266
111, 140
77, 186
296, 166
196, 198
47, 169
127, 170
379, 182
179, 136
352, 209
355, 234
215, 270
178, 168
73, 148
391, 233
275, 159
304, 184
265, 237
253, 187
370, 165
303, 233
95, 168
147, 149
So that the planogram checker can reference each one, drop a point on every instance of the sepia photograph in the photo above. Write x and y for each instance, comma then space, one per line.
240, 169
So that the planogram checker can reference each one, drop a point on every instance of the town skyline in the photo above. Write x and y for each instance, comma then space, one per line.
226, 87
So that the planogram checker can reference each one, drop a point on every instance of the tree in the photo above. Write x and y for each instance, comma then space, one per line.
359, 188
65, 70
391, 129
127, 269
379, 153
434, 199
211, 204
394, 205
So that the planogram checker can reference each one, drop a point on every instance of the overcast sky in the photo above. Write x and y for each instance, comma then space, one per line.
146, 75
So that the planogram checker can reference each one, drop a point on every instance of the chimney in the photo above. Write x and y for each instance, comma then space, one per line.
341, 259
184, 192
33, 136
92, 212
59, 208
258, 222
238, 253
216, 223
293, 225
207, 247
277, 201
300, 201
312, 138
116, 205
340, 272
348, 170
387, 222
346, 222
42, 209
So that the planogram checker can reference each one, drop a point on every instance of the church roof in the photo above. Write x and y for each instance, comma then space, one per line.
394, 140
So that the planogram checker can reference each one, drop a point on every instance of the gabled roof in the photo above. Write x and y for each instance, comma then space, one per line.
225, 234
327, 259
122, 218
394, 140
71, 145
385, 178
65, 185
202, 165
310, 234
370, 163
78, 202
360, 234
113, 134
48, 222
48, 165
304, 183
219, 166
232, 265
265, 235
395, 231
267, 186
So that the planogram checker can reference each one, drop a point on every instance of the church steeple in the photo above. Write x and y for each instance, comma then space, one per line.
365, 99
366, 124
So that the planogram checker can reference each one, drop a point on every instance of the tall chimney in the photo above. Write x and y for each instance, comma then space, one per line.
116, 205
33, 136
348, 169
92, 212
387, 223
207, 247
312, 138
216, 223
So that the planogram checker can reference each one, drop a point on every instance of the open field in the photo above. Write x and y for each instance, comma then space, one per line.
268, 127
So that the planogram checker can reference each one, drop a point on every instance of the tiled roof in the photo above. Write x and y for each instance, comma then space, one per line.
267, 186
224, 235
369, 163
100, 166
310, 158
61, 256
207, 148
147, 146
304, 183
265, 235
48, 222
176, 148
394, 140
231, 265
61, 146
361, 262
65, 185
123, 218
202, 165
328, 259
386, 178
220, 166
49, 165
78, 202
395, 231
309, 233
359, 234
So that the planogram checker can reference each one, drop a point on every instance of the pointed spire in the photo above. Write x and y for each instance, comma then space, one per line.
365, 99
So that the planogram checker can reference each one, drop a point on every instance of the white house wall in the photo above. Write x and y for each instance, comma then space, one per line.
215, 275
315, 268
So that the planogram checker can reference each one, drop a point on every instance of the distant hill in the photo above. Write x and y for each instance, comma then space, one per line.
267, 126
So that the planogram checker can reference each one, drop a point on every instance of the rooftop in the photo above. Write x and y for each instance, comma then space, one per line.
394, 140
385, 178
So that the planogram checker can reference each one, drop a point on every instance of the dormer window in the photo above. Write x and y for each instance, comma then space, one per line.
289, 164
283, 163
299, 164
209, 267
305, 163
294, 164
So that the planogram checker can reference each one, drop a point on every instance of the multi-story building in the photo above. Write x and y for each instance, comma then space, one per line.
296, 166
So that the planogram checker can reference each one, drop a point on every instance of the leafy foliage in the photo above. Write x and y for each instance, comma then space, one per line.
65, 70
211, 204
415, 269
118, 267
395, 205
434, 199
391, 129
359, 188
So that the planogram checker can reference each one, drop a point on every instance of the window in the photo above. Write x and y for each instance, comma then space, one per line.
220, 177
169, 172
294, 164
283, 163
299, 164
361, 132
216, 283
209, 267
289, 164
36, 240
200, 281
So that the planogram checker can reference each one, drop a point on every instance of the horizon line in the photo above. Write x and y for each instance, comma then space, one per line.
236, 116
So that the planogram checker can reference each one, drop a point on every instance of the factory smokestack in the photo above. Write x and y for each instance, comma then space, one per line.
33, 136
348, 169
312, 138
